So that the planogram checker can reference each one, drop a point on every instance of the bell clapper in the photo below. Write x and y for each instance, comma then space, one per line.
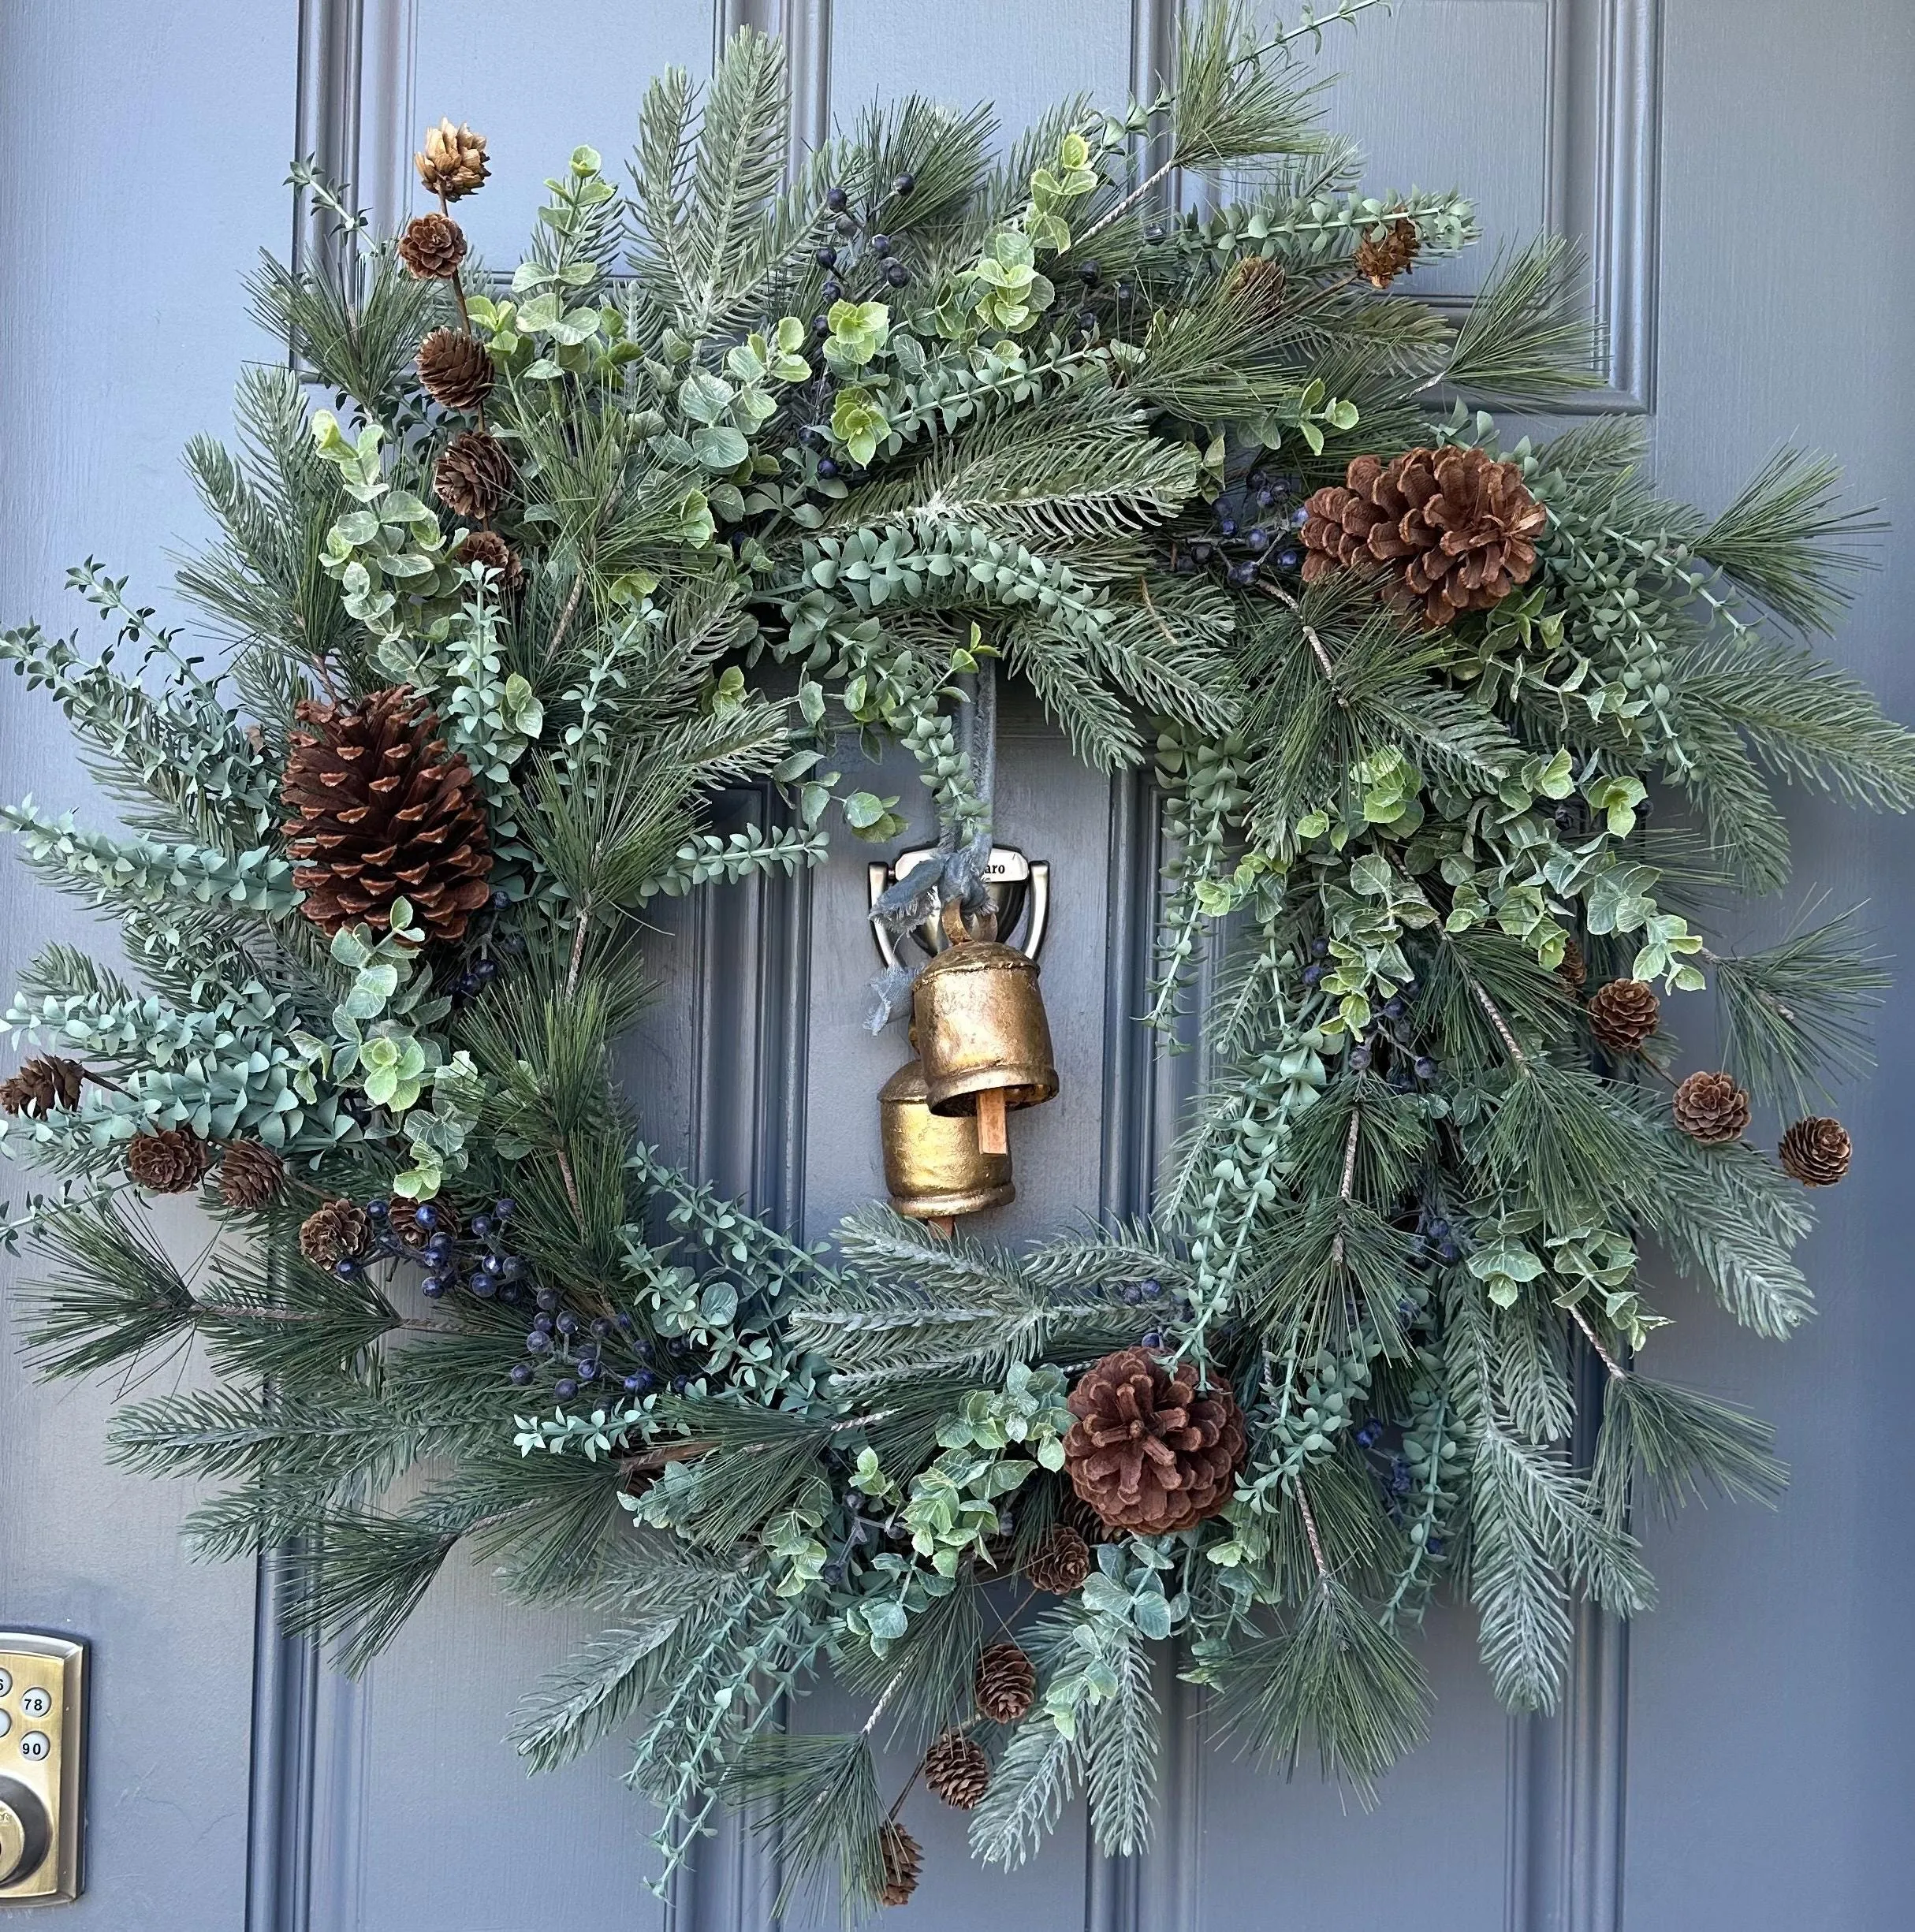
943, 1226
993, 1137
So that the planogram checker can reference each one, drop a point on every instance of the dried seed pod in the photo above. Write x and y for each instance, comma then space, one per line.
1007, 1683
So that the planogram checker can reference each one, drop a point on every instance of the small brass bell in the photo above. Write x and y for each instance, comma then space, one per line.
933, 1167
981, 1034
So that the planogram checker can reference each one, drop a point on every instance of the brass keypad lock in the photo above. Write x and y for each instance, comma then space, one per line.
43, 1714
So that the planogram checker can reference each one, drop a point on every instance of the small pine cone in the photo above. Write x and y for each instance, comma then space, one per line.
1007, 1683
1149, 1450
455, 369
1623, 1014
1060, 1562
1815, 1152
473, 476
336, 1232
1382, 256
1258, 284
1712, 1108
1575, 970
379, 809
901, 1856
42, 1084
432, 247
488, 548
957, 1769
168, 1163
1451, 530
250, 1175
453, 162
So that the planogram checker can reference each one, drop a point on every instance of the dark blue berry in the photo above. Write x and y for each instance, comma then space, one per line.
1266, 498
821, 325
565, 1388
548, 1298
844, 224
482, 1285
1319, 948
1314, 974
1392, 1008
632, 1382
1258, 539
1447, 1251
1435, 1546
1124, 291
1153, 1290
468, 985
1087, 318
836, 198
1226, 523
346, 1268
425, 1215
482, 1226
1242, 574
1133, 1292
1289, 558
1359, 1059
1425, 1067
377, 1210
826, 468
542, 1323
1368, 1434
827, 258
880, 245
896, 274
680, 1383
832, 290
1438, 1229
1153, 1339
435, 1285
1154, 232
486, 971
587, 1369
904, 184
439, 1247
642, 1384
1200, 550
1089, 274
1300, 516
1399, 1081
501, 898
504, 1208
643, 1349
566, 1324
520, 1374
538, 1342
625, 1321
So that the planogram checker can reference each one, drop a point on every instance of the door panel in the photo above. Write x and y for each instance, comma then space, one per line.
1765, 1707
134, 192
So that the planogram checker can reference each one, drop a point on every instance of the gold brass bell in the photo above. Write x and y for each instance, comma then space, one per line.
981, 1034
934, 1169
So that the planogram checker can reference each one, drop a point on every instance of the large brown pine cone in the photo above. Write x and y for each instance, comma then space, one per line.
473, 476
380, 810
42, 1084
336, 1232
1060, 1562
168, 1163
453, 162
455, 369
488, 548
957, 1769
432, 247
250, 1175
1623, 1014
1148, 1451
1815, 1152
1382, 257
1454, 527
1712, 1108
900, 1856
1006, 1683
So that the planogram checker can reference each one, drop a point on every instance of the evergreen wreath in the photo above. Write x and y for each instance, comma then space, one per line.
730, 473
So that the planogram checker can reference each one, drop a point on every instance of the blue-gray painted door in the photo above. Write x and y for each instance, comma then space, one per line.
1740, 171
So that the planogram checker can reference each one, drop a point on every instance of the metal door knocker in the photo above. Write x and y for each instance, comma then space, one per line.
1020, 890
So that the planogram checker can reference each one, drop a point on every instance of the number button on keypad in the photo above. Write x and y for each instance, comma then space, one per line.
6, 1682
35, 1702
34, 1746
7, 1723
